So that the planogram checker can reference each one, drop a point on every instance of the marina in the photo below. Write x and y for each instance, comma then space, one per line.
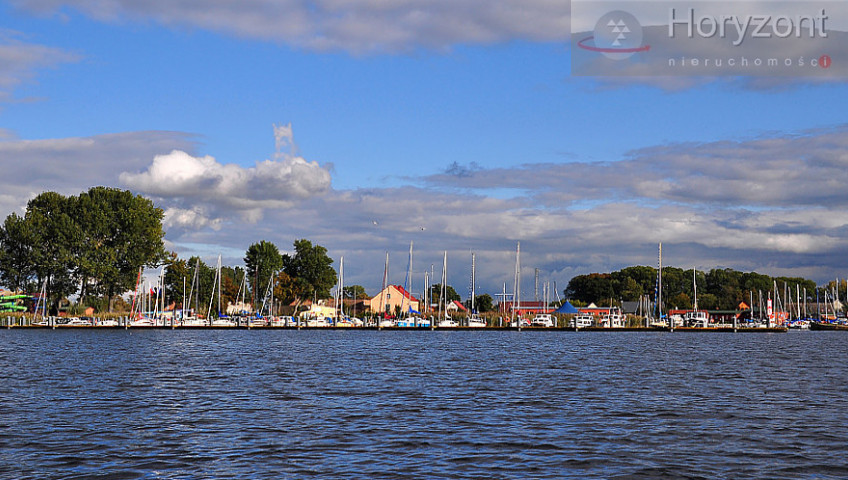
419, 325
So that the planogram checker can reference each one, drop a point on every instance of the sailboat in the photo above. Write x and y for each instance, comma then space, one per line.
447, 321
407, 319
341, 320
221, 320
696, 318
474, 321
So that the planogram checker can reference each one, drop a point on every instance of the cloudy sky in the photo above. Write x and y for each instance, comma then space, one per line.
365, 125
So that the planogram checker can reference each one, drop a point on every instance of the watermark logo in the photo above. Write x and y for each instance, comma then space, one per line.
710, 38
617, 35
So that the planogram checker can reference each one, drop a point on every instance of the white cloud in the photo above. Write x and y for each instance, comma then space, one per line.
193, 218
72, 165
359, 26
20, 60
207, 192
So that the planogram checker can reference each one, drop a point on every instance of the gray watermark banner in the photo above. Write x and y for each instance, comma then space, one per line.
804, 38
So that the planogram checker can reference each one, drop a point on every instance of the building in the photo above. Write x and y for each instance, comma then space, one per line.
392, 299
524, 307
455, 306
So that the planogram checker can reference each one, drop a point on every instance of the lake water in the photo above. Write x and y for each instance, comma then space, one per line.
86, 404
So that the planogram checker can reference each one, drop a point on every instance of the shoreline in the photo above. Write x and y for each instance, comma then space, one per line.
413, 329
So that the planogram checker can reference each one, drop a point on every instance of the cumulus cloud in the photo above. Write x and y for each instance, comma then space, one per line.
359, 26
206, 192
71, 165
19, 60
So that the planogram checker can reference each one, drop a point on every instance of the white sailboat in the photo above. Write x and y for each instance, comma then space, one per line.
696, 318
474, 321
446, 321
220, 320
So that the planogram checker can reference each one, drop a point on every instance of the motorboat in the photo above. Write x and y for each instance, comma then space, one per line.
582, 321
542, 320
476, 321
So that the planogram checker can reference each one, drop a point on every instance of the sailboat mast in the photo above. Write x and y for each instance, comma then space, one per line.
516, 289
695, 289
383, 289
659, 289
407, 285
444, 293
340, 295
473, 279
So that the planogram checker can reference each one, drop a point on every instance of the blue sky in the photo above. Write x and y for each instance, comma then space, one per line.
457, 125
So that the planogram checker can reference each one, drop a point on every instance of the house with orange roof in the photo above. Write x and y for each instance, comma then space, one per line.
393, 298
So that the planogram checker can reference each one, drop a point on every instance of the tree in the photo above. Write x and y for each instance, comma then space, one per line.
436, 293
177, 279
262, 260
17, 242
57, 245
311, 269
287, 289
121, 232
681, 301
595, 287
484, 303
199, 280
356, 292
630, 290
231, 285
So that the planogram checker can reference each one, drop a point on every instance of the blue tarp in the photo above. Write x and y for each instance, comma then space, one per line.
567, 307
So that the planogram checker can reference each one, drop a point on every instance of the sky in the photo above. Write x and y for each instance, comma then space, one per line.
456, 125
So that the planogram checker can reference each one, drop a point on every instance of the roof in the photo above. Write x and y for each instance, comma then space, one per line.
405, 293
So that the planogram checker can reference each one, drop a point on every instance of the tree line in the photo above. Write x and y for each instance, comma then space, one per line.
91, 244
292, 279
717, 289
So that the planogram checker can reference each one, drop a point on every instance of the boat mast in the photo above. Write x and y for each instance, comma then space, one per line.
516, 289
659, 294
407, 285
695, 290
473, 279
383, 289
340, 292
443, 290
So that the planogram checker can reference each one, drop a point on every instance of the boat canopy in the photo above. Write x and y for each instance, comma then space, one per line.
567, 307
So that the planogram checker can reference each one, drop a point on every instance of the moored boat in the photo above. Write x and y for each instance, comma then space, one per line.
827, 326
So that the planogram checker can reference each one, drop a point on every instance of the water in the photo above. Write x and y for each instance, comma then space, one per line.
85, 404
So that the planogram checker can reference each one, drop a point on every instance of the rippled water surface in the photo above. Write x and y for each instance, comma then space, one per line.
420, 404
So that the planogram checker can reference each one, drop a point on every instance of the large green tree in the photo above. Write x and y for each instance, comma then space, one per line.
58, 245
92, 244
121, 233
311, 269
17, 243
262, 260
